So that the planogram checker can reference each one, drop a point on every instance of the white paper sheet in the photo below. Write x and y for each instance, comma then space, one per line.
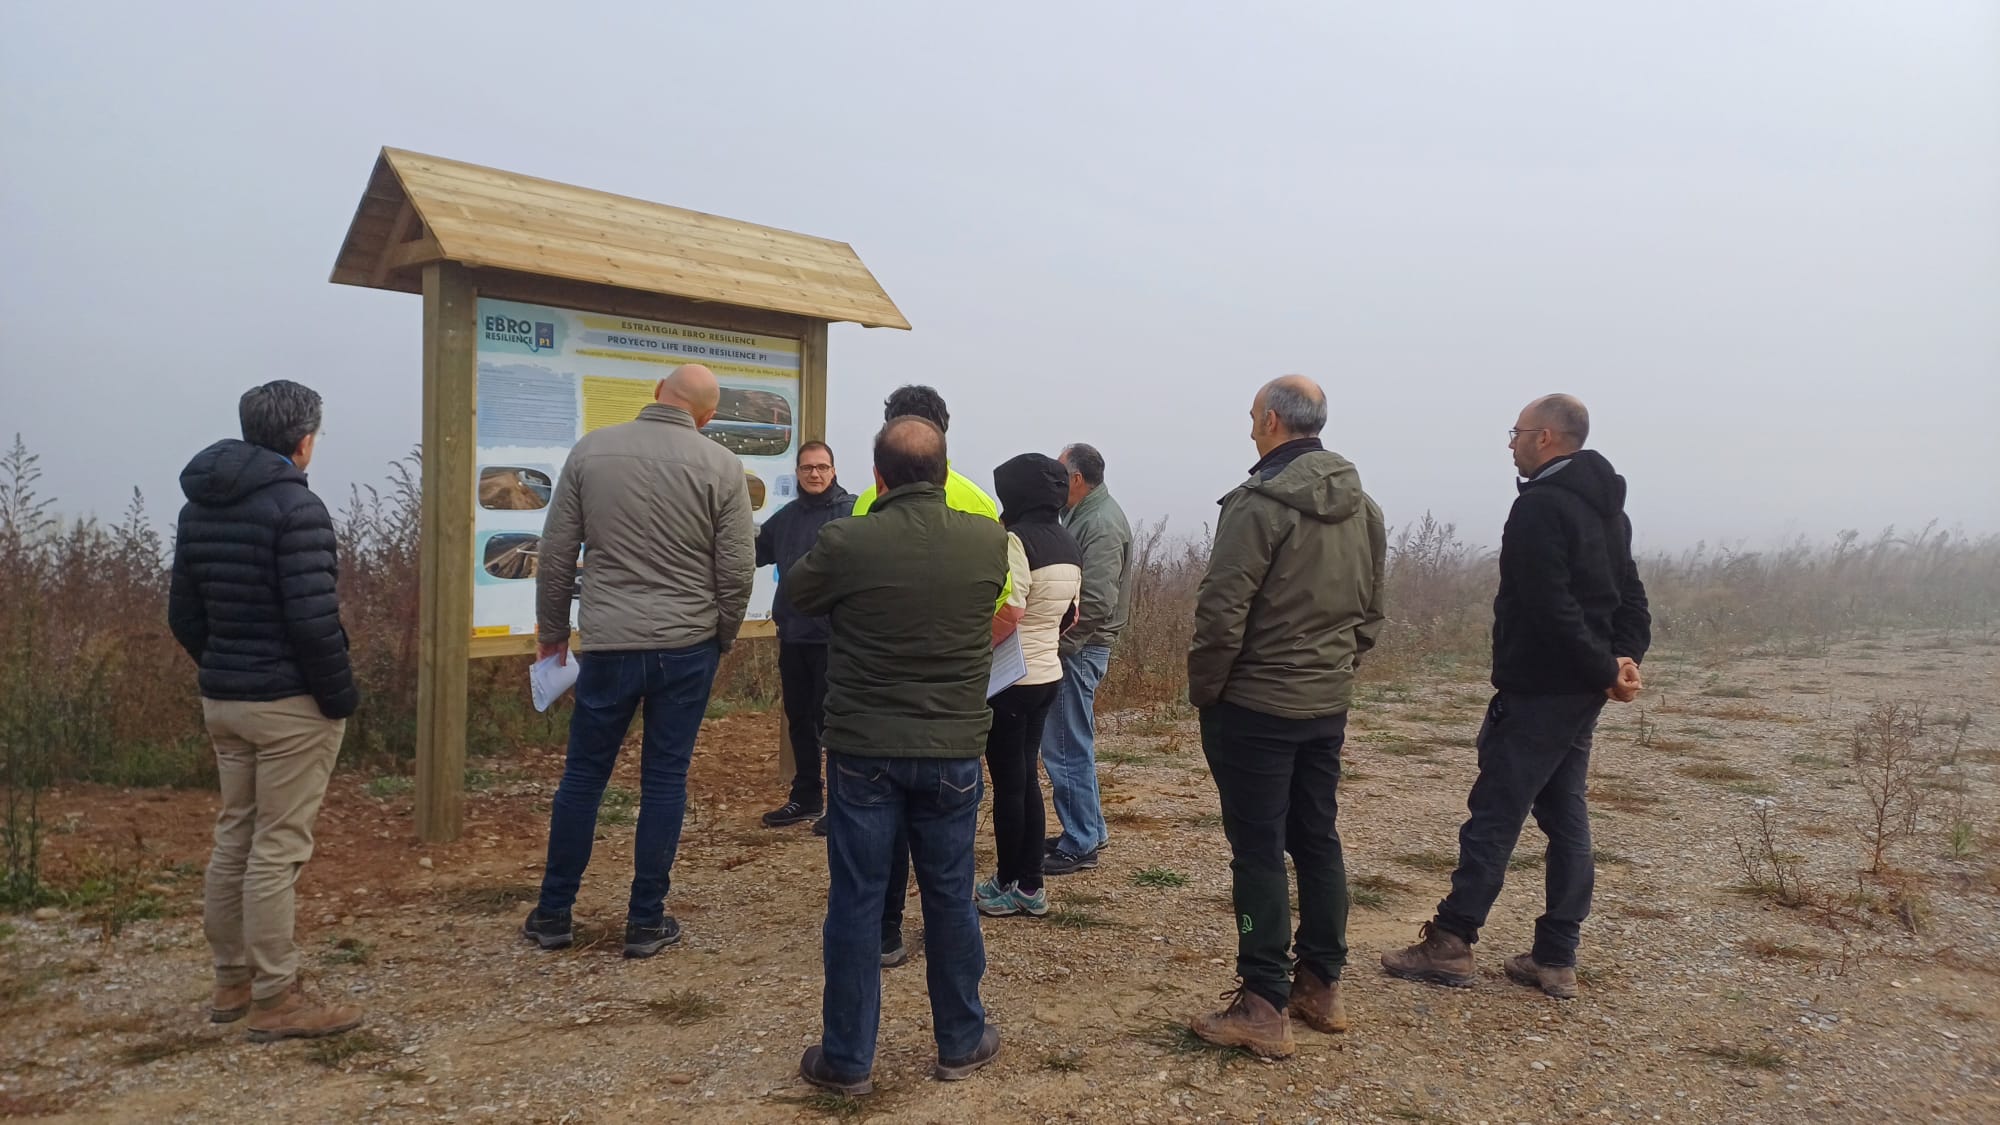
548, 680
1009, 665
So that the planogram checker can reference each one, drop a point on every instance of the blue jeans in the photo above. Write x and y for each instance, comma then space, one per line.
673, 685
1069, 751
872, 804
1534, 756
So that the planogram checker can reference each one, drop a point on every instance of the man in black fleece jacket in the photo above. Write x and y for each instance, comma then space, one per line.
782, 541
1570, 625
253, 601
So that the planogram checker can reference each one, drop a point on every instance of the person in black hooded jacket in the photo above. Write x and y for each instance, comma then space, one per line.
1570, 626
782, 541
253, 601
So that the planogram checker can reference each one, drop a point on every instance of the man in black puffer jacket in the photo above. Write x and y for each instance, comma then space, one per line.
1570, 625
782, 541
253, 602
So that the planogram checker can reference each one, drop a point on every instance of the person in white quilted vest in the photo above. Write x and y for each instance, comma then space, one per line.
1047, 569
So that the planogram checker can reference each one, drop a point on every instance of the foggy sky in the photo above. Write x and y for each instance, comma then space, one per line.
1760, 240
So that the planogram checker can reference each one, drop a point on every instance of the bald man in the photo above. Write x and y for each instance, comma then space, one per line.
1570, 625
665, 515
1290, 604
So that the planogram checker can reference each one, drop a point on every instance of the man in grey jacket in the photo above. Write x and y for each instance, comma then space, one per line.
1069, 740
664, 514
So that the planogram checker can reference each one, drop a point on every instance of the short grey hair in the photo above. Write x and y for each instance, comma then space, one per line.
1299, 405
1565, 414
279, 415
1086, 462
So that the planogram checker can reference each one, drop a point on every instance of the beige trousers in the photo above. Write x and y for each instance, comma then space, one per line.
274, 759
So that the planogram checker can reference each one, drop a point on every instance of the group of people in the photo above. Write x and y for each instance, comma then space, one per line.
889, 607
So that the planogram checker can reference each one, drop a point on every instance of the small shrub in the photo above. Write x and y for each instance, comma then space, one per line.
391, 785
1159, 877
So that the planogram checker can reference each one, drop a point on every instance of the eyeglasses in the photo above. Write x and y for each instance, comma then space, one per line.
1514, 434
815, 468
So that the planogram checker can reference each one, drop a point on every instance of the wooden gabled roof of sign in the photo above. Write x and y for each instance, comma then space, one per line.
420, 209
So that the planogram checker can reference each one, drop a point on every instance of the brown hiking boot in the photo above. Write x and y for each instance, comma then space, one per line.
1439, 957
293, 1015
1317, 1002
1557, 982
1249, 1022
229, 1002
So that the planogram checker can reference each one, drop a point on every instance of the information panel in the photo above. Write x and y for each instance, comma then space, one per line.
547, 376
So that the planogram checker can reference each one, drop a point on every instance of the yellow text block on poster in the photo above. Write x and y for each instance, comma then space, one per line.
608, 401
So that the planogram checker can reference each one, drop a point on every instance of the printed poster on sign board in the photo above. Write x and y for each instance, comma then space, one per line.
548, 376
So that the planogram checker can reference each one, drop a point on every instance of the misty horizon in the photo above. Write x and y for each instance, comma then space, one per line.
1760, 242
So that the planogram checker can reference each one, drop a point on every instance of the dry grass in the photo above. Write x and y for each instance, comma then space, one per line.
1648, 913
1778, 950
1760, 1057
170, 1045
1714, 771
1623, 798
335, 1052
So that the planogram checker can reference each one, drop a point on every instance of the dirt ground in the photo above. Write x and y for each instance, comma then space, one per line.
1700, 1003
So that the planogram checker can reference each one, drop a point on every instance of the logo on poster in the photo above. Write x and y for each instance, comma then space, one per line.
534, 335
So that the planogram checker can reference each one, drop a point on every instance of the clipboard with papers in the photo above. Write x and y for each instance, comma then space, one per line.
1010, 665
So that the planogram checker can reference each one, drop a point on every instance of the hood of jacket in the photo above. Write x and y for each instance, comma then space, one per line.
231, 469
1318, 482
1587, 475
1031, 485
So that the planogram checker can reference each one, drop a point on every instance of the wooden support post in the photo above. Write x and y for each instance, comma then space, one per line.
445, 573
812, 382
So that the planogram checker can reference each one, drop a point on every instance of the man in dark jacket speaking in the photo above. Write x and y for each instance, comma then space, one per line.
1290, 604
253, 602
909, 595
1570, 625
781, 542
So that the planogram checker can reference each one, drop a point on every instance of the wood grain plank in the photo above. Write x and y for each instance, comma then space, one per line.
445, 561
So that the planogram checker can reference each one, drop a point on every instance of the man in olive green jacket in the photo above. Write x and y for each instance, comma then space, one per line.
908, 593
1291, 602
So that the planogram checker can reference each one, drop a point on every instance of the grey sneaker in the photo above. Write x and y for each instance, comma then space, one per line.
988, 1049
894, 952
1063, 863
550, 931
644, 941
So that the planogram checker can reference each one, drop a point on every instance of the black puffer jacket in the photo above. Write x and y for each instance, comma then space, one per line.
253, 588
1570, 600
784, 539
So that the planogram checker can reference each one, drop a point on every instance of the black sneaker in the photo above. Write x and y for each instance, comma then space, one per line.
789, 813
820, 825
1060, 862
550, 931
952, 1070
644, 941
813, 1068
894, 952
1053, 844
